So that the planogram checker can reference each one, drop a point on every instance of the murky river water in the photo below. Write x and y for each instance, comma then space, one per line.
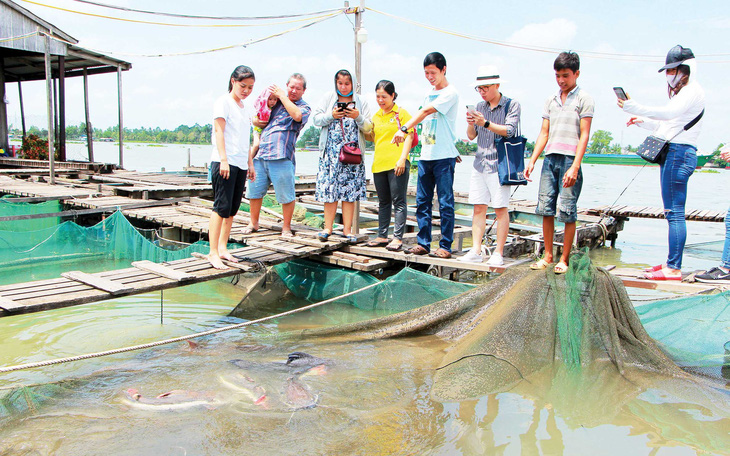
373, 398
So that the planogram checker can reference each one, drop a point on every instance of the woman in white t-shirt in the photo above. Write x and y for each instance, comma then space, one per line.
229, 161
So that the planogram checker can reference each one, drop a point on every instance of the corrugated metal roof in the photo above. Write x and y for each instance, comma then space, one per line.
24, 57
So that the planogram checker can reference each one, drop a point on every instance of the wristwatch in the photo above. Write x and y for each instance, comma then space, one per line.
404, 129
486, 123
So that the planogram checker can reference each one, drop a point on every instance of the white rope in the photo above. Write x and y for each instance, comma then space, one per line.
176, 339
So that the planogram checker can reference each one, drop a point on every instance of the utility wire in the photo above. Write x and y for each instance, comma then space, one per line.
593, 54
204, 51
189, 16
18, 37
168, 24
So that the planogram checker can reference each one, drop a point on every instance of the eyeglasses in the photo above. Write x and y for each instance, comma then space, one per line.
483, 89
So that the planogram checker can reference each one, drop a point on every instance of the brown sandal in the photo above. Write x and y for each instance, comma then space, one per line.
440, 253
417, 250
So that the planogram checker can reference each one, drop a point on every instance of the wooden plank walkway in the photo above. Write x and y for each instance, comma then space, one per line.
27, 163
633, 278
79, 288
25, 188
697, 215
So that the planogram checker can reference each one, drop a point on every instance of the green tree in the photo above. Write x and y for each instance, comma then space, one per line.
716, 155
310, 137
600, 142
466, 148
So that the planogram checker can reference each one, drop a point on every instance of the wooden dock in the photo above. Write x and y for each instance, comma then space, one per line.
695, 215
77, 287
170, 201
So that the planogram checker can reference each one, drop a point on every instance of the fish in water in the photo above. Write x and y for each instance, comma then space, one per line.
169, 401
296, 363
247, 386
298, 396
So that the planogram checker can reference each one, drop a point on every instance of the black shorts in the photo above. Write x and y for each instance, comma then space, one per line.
227, 193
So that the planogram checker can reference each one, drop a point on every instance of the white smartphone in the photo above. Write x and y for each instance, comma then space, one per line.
471, 109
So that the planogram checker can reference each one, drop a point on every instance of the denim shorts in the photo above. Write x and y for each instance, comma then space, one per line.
277, 172
554, 167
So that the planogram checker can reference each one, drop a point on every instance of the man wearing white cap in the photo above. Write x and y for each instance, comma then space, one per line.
495, 117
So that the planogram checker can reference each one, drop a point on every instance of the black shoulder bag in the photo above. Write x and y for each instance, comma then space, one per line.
654, 149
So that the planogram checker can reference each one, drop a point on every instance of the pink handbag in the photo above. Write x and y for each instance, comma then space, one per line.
350, 153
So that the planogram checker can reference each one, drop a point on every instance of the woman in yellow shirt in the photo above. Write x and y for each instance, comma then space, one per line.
390, 166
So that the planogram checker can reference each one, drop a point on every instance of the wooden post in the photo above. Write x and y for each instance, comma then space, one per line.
4, 130
22, 111
89, 130
49, 104
358, 90
54, 82
62, 108
121, 120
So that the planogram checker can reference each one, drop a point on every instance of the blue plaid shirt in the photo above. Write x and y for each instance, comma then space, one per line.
279, 138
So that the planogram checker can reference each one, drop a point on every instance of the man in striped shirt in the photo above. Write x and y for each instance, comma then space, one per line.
566, 127
495, 117
274, 163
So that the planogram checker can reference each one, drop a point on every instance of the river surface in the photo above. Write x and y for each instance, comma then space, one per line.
377, 402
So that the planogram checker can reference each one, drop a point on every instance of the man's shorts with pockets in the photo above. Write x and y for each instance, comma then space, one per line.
484, 188
554, 167
227, 193
280, 173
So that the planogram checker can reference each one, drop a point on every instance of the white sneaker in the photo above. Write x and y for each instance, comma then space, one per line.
472, 257
495, 260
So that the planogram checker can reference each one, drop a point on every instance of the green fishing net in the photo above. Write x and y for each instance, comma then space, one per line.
693, 330
113, 239
314, 282
301, 214
9, 208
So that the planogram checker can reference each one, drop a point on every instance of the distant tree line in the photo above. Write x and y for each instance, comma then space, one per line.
196, 134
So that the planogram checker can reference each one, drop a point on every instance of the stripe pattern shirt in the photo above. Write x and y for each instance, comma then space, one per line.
564, 118
486, 156
279, 137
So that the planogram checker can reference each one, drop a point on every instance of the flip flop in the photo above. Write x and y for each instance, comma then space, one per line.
323, 236
249, 230
287, 234
377, 243
658, 267
417, 250
659, 275
394, 247
540, 265
560, 268
440, 253
351, 239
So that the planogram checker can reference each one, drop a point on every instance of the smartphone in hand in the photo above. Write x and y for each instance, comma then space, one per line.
471, 109
345, 105
619, 91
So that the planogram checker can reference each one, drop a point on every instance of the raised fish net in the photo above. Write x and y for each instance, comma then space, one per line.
527, 323
113, 239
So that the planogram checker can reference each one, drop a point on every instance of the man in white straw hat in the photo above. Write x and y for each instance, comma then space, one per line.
494, 117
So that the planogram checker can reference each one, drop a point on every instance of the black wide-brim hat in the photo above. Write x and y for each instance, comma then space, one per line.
676, 56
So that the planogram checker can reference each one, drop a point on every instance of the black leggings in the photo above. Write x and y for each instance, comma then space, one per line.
392, 193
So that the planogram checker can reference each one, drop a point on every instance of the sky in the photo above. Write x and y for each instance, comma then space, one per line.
174, 90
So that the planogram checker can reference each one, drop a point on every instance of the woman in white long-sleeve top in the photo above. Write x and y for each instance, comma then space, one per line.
686, 103
343, 117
